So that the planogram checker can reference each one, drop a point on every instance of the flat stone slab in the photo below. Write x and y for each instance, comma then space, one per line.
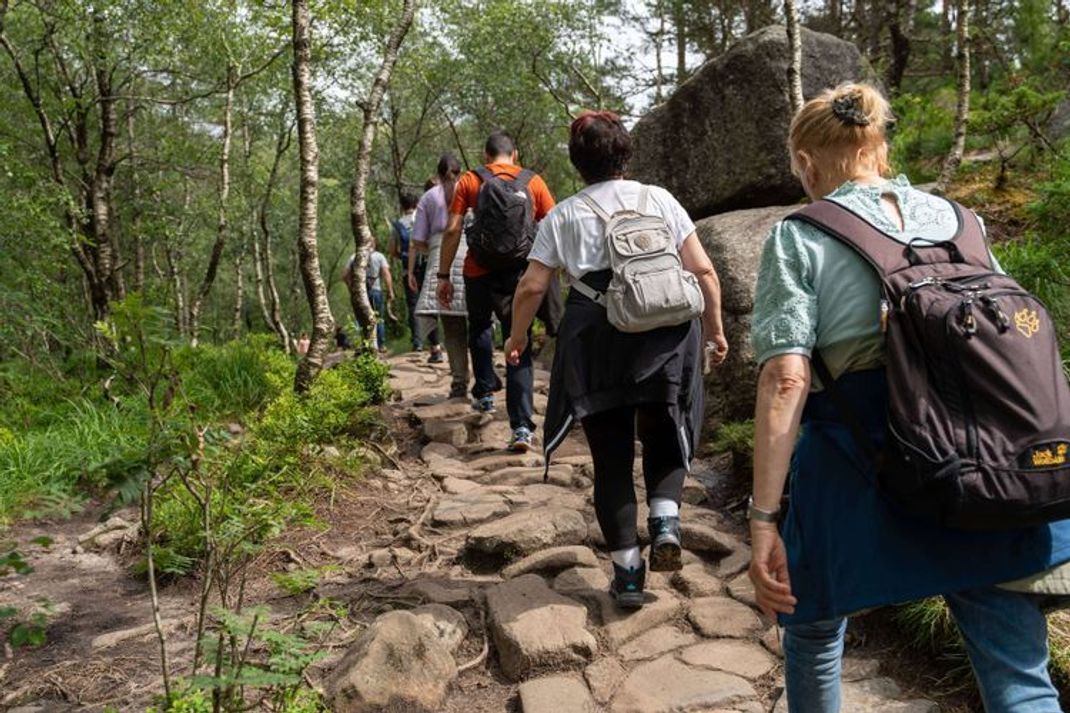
535, 628
657, 641
742, 590
703, 538
621, 625
556, 694
696, 580
454, 433
603, 677
515, 475
548, 494
529, 531
875, 695
585, 583
433, 451
554, 559
734, 563
668, 685
743, 658
717, 617
456, 486
447, 409
529, 460
469, 508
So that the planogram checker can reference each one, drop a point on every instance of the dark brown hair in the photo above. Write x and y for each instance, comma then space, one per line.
600, 147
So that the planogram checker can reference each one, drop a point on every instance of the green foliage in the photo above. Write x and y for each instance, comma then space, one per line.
28, 631
737, 438
922, 133
236, 378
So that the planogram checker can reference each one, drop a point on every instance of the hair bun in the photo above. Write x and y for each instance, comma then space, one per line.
848, 109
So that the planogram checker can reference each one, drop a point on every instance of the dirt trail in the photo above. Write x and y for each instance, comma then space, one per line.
449, 519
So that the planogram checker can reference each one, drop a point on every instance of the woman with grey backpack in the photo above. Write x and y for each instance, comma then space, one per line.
629, 357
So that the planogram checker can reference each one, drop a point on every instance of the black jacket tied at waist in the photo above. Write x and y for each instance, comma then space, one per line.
598, 368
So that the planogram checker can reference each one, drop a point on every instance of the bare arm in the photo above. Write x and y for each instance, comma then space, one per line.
526, 300
388, 280
782, 390
697, 262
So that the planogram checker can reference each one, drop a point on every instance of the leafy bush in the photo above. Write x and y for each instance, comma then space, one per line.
737, 438
236, 378
923, 132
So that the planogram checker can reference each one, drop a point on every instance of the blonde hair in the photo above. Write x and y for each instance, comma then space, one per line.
842, 130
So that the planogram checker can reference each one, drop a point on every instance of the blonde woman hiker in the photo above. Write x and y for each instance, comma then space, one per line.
428, 228
849, 537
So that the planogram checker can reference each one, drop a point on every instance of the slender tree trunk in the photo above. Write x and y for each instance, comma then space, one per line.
216, 255
308, 251
836, 16
679, 21
363, 240
900, 28
273, 316
659, 40
795, 91
258, 282
945, 27
962, 112
239, 290
135, 218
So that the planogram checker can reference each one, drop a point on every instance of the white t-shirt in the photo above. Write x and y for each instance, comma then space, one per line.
573, 238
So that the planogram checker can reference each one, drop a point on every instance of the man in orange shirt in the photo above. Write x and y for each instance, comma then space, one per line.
507, 201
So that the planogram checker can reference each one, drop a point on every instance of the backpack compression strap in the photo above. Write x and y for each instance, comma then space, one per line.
886, 254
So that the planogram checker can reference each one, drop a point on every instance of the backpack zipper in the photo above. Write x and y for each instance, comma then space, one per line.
968, 418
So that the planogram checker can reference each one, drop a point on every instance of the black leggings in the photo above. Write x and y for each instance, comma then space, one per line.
611, 436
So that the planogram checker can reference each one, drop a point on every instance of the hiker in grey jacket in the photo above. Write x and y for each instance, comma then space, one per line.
619, 384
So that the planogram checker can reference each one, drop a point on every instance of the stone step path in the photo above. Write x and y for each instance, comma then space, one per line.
530, 561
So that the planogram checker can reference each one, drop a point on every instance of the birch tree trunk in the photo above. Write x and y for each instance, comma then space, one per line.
135, 220
962, 112
308, 252
795, 91
363, 240
216, 255
239, 291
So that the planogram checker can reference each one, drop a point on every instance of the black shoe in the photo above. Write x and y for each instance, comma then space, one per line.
627, 586
664, 544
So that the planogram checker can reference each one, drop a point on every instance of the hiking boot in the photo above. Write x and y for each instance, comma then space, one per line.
458, 392
523, 440
627, 586
437, 357
484, 404
664, 544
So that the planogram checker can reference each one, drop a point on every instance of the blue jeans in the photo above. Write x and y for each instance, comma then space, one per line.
379, 305
1006, 637
486, 296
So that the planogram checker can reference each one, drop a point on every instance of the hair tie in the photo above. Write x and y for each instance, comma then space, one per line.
848, 109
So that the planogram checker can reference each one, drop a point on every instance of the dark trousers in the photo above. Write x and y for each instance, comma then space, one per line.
490, 295
419, 270
611, 436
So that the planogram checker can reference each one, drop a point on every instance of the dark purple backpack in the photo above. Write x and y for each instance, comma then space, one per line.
503, 232
979, 407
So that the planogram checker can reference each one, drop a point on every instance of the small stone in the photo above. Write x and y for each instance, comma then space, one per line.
695, 580
235, 429
469, 508
433, 451
535, 628
771, 640
875, 695
743, 658
396, 662
457, 486
716, 617
667, 685
742, 590
621, 626
585, 583
331, 452
856, 669
381, 557
694, 491
449, 432
702, 538
604, 676
554, 560
656, 642
448, 624
556, 694
529, 531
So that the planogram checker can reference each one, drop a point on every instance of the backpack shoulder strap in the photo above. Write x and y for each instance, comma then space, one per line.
598, 210
644, 197
971, 240
483, 173
884, 253
523, 178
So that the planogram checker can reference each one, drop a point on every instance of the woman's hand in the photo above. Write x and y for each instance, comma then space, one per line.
412, 281
719, 352
769, 570
514, 347
445, 292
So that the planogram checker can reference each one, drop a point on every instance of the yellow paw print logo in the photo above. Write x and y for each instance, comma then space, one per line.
1027, 321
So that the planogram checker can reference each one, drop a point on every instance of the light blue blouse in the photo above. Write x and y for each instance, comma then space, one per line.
815, 292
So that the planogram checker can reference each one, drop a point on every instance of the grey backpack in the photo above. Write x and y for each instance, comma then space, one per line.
650, 287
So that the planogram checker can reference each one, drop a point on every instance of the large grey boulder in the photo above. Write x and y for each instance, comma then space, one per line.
399, 662
718, 143
734, 243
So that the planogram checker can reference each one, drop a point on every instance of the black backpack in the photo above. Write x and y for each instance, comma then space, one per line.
503, 231
978, 404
